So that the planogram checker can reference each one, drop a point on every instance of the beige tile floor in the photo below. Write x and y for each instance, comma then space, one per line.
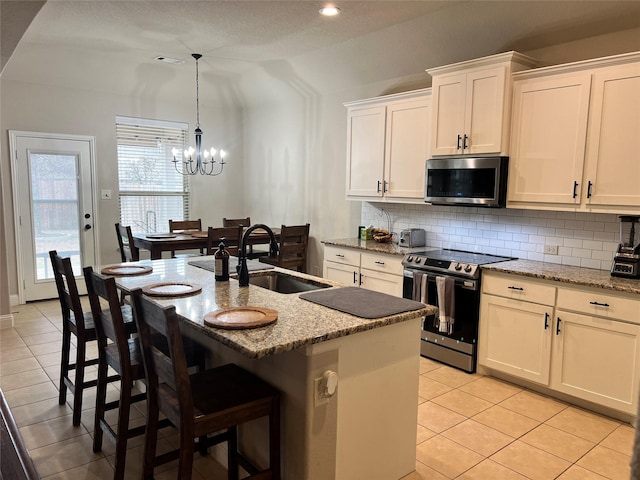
470, 427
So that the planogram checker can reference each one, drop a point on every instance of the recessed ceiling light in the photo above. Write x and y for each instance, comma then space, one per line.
330, 11
174, 61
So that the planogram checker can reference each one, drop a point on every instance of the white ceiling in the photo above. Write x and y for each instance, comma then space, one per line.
110, 45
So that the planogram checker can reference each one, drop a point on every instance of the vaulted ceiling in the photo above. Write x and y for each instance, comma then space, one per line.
110, 45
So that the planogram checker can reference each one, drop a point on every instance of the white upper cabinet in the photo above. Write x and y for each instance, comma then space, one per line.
573, 133
613, 160
471, 105
387, 146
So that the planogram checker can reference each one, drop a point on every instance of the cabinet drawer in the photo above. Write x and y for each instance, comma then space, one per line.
342, 255
382, 263
519, 288
600, 303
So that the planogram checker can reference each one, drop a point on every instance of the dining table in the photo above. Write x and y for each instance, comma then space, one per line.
376, 362
156, 243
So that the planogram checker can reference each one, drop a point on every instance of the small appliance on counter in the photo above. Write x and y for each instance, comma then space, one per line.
626, 262
413, 237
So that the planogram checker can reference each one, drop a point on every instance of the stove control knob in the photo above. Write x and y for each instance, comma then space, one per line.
418, 260
467, 268
409, 258
458, 266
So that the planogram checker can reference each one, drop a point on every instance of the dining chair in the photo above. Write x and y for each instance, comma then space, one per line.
128, 251
218, 399
244, 222
230, 236
185, 226
292, 253
121, 352
77, 322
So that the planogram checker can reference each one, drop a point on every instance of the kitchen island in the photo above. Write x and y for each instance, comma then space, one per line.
367, 429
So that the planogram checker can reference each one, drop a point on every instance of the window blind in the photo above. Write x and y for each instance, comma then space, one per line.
151, 190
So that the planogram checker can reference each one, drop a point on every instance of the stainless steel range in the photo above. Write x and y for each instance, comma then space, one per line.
460, 273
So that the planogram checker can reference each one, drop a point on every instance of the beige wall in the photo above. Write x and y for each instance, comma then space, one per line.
40, 108
288, 163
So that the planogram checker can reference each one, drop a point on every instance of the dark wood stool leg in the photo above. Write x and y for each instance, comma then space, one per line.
185, 458
122, 428
64, 362
274, 440
79, 382
232, 453
101, 395
150, 440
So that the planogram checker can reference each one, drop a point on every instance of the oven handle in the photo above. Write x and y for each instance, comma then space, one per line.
466, 283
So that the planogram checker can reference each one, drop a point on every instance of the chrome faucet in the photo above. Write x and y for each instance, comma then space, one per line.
243, 270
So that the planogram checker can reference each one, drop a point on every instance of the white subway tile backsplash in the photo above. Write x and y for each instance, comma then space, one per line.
584, 239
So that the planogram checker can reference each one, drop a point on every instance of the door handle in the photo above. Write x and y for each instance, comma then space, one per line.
87, 227
575, 189
546, 320
558, 326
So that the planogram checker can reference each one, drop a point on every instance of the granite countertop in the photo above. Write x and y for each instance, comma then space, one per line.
300, 322
373, 246
567, 274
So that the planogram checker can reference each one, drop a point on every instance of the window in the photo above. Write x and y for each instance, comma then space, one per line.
151, 190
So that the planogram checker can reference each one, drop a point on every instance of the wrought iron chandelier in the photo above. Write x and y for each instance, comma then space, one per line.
195, 161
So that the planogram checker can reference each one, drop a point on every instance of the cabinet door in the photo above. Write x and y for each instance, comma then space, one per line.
515, 337
597, 359
381, 282
484, 117
338, 272
365, 151
448, 114
407, 148
548, 138
613, 158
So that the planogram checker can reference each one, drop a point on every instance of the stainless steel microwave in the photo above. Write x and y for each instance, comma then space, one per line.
471, 181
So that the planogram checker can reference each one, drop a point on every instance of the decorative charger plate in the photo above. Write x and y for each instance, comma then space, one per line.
236, 318
199, 234
171, 289
161, 235
126, 270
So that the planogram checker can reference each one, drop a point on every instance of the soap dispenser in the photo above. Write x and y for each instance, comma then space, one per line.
221, 266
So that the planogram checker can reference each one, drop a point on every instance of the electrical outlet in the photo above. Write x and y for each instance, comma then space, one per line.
317, 399
551, 249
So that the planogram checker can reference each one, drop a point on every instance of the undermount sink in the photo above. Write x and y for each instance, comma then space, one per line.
282, 283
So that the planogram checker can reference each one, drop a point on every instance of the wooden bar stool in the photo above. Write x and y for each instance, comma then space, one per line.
206, 402
81, 324
231, 236
185, 226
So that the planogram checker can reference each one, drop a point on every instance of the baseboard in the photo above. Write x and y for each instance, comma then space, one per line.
14, 300
6, 321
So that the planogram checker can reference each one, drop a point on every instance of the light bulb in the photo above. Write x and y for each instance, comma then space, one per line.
206, 154
175, 152
223, 154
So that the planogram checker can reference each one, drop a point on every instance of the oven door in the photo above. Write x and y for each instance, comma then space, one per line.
467, 305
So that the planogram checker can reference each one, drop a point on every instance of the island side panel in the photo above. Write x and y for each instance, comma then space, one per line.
378, 403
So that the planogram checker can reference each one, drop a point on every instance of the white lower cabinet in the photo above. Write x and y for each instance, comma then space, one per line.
596, 359
515, 326
374, 271
583, 342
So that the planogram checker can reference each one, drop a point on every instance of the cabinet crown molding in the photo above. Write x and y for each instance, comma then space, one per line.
592, 63
394, 97
511, 56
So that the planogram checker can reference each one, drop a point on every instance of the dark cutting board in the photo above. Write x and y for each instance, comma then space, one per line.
361, 302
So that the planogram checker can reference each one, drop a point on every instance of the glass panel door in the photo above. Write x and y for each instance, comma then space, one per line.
53, 206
